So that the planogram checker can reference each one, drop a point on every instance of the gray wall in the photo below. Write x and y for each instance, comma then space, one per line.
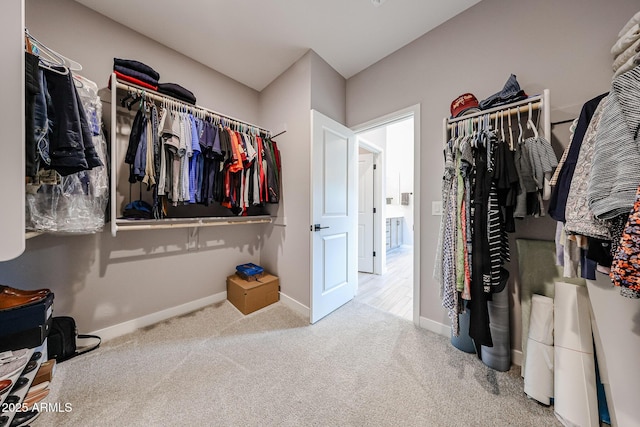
328, 89
94, 40
308, 84
286, 247
563, 46
101, 280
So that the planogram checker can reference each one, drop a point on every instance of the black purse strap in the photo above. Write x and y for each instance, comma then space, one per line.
87, 350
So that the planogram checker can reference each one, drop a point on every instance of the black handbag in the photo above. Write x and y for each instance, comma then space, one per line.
62, 340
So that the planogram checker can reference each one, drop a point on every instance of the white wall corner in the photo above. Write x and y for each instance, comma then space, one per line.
296, 306
516, 357
436, 327
132, 325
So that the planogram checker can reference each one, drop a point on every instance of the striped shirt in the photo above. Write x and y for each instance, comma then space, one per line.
616, 157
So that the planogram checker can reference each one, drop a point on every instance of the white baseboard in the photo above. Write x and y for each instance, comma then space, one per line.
437, 327
516, 357
129, 326
444, 330
294, 305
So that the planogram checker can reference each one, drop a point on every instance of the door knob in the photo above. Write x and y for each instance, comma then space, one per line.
316, 227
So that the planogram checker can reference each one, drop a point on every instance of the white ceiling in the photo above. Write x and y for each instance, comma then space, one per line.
254, 41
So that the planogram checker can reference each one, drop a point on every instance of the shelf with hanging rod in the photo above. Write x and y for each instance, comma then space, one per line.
540, 102
152, 224
190, 107
195, 222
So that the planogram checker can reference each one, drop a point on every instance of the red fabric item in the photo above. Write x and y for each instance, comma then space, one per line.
135, 81
226, 201
242, 149
236, 148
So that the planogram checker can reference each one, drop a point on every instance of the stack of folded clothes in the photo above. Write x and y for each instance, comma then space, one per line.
626, 49
178, 92
136, 72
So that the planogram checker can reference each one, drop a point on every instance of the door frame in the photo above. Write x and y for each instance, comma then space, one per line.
379, 261
385, 120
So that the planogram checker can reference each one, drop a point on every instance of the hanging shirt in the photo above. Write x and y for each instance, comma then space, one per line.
149, 170
186, 152
236, 164
616, 158
163, 155
140, 161
193, 162
580, 219
450, 296
255, 175
558, 201
261, 170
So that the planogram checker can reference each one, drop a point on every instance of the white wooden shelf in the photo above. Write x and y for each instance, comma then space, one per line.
122, 224
538, 102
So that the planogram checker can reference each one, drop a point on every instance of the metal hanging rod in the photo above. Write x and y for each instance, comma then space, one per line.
561, 122
167, 223
161, 97
522, 106
278, 134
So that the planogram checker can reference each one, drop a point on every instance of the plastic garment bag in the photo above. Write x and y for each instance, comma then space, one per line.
74, 203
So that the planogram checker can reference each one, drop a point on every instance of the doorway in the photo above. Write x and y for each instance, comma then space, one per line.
388, 220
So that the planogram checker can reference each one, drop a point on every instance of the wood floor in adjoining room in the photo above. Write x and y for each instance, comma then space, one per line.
393, 291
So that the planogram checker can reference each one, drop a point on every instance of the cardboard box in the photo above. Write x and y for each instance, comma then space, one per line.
249, 296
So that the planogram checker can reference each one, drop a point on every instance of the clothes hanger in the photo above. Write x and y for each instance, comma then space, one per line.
483, 130
49, 61
530, 124
123, 101
510, 130
68, 63
519, 128
467, 130
502, 125
136, 98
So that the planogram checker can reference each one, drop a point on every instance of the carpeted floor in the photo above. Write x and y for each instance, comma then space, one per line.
357, 367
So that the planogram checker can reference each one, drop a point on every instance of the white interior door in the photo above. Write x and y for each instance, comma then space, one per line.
334, 222
365, 213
